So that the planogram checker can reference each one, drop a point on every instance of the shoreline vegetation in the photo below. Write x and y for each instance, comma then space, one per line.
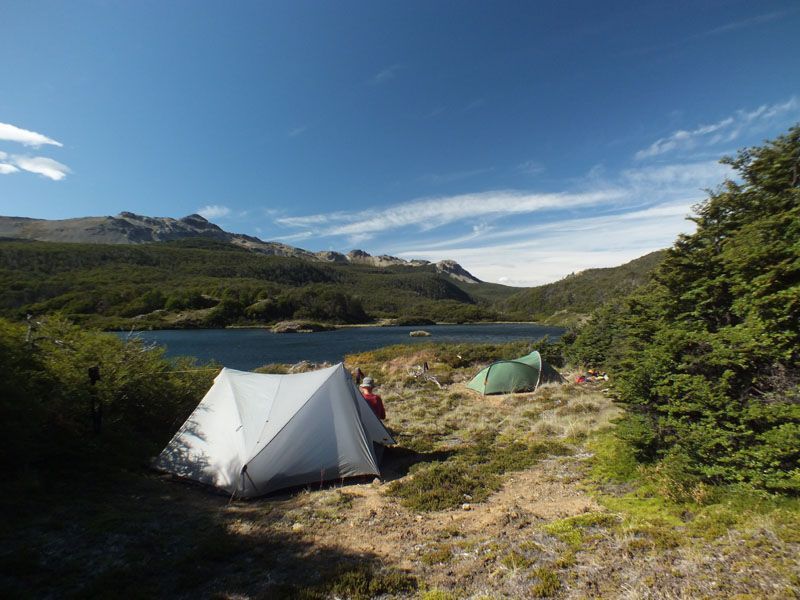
314, 327
207, 284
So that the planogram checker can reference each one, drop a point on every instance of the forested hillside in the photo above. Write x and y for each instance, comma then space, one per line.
580, 293
708, 354
201, 282
208, 283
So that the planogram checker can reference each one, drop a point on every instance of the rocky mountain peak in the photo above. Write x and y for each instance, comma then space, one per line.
130, 228
456, 271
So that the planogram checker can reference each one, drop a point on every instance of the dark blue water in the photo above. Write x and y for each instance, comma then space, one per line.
246, 349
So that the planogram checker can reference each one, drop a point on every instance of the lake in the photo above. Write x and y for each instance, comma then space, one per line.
246, 349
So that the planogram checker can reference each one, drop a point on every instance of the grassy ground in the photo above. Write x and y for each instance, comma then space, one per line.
518, 496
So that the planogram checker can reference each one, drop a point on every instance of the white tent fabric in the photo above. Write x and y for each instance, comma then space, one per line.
254, 433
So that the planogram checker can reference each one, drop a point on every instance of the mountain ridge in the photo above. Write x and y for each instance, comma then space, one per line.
131, 228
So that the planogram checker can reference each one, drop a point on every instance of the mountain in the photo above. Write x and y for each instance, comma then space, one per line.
133, 270
130, 228
565, 301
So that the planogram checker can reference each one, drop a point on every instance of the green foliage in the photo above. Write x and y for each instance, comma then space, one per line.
207, 283
441, 554
582, 292
48, 395
437, 594
547, 585
572, 529
364, 583
707, 355
471, 475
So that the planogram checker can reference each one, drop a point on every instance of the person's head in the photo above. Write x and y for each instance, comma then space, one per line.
368, 383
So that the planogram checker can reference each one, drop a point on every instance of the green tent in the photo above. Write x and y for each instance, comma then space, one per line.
523, 374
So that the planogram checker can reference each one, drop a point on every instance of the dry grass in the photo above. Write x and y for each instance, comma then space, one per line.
530, 520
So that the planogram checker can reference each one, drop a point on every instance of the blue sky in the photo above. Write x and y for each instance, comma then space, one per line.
526, 140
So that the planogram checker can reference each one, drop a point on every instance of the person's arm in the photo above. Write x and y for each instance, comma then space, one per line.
381, 409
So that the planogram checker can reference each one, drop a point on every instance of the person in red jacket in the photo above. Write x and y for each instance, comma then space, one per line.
375, 402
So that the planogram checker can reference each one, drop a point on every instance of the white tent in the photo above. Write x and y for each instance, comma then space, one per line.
255, 433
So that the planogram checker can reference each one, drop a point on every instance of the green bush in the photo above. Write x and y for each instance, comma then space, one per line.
707, 355
52, 409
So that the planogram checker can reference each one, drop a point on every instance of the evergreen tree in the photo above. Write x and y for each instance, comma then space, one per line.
708, 354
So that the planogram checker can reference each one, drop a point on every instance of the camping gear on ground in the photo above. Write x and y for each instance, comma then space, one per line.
522, 374
255, 433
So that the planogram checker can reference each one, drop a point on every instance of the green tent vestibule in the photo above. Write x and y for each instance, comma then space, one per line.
522, 374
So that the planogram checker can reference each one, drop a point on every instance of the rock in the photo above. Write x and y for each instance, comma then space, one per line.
466, 506
298, 327
419, 333
376, 481
297, 527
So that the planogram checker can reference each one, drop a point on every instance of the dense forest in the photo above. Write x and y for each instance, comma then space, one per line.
580, 293
707, 353
211, 283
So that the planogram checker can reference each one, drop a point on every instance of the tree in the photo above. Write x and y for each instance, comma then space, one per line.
710, 351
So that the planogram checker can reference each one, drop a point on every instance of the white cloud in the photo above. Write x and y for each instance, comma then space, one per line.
475, 104
214, 211
681, 138
455, 175
6, 169
357, 238
431, 213
724, 131
757, 20
11, 133
698, 175
311, 220
386, 74
531, 167
46, 167
595, 236
545, 253
303, 235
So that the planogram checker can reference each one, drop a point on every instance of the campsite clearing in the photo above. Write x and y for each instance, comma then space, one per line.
497, 496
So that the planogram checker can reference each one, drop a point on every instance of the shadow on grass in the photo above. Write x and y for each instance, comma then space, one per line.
134, 535
397, 460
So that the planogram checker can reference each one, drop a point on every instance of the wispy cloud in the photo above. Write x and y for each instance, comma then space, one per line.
386, 74
724, 131
434, 112
313, 220
697, 175
294, 237
757, 20
648, 211
439, 178
12, 133
298, 131
474, 105
40, 165
531, 167
430, 213
547, 252
522, 237
214, 211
